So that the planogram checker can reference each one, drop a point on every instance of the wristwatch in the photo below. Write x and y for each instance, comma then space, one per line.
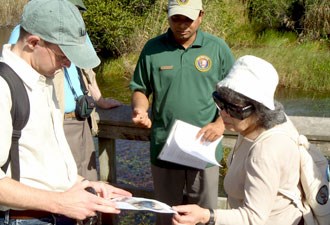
211, 220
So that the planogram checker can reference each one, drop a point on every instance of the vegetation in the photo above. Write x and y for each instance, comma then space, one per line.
299, 49
110, 23
10, 11
291, 34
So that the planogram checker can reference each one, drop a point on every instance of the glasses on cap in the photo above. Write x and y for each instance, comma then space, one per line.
235, 111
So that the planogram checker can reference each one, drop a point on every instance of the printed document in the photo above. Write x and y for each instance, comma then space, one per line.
134, 203
183, 148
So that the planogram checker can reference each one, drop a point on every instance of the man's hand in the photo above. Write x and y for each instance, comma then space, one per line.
140, 105
104, 103
141, 118
79, 204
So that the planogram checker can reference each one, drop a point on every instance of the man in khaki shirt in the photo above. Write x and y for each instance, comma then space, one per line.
50, 191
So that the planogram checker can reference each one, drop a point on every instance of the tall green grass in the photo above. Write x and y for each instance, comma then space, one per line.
300, 64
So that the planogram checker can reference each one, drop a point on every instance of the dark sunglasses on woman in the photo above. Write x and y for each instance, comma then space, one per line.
235, 111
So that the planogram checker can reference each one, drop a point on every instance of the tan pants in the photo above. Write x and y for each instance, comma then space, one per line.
190, 186
80, 140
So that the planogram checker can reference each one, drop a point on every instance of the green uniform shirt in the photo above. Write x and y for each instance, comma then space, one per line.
181, 82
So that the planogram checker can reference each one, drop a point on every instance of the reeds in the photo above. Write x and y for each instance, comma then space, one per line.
10, 12
317, 19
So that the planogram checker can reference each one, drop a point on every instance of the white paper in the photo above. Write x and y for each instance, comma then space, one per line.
183, 148
134, 203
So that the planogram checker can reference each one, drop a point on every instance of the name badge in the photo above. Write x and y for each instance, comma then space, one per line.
165, 68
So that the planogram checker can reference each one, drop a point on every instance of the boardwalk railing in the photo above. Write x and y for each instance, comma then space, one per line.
116, 124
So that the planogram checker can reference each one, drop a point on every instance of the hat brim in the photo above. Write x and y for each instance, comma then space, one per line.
79, 3
83, 56
190, 13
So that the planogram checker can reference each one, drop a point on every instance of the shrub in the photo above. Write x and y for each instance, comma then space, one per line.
317, 19
153, 24
308, 18
276, 14
110, 23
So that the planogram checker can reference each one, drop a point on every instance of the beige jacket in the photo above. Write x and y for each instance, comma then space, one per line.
254, 178
59, 91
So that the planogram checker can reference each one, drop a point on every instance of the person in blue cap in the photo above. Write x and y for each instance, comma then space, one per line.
49, 191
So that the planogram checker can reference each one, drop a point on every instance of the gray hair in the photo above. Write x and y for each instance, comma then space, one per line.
266, 118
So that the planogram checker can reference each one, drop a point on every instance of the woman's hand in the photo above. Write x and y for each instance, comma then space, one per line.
190, 215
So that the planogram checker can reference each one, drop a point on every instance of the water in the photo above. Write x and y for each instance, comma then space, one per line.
304, 103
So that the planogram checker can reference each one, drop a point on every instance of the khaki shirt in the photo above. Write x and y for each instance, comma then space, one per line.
254, 178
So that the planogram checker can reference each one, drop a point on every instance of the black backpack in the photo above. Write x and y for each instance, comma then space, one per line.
20, 113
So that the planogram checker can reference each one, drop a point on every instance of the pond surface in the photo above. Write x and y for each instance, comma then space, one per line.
304, 103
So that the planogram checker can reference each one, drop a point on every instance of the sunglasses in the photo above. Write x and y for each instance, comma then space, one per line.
235, 111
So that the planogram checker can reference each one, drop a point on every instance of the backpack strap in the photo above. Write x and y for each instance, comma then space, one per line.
302, 142
20, 112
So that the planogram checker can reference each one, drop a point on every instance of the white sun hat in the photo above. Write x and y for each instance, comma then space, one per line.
254, 78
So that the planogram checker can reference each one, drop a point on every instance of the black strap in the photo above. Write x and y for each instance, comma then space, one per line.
70, 84
82, 83
20, 112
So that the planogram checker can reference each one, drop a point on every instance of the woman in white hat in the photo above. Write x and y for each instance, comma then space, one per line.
264, 159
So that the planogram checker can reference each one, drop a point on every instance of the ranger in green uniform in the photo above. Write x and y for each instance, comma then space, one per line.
180, 69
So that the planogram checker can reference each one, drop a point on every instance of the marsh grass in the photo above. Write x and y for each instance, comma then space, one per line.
317, 19
301, 64
10, 12
154, 24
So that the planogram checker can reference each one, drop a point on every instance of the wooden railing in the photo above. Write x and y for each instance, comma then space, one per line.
116, 124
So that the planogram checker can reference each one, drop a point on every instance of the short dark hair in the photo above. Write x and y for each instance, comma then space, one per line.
266, 118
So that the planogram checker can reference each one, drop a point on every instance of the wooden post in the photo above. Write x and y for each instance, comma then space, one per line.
107, 159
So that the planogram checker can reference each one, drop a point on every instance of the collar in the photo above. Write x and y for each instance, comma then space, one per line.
29, 76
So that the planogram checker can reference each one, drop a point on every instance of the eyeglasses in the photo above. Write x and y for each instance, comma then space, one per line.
59, 57
234, 111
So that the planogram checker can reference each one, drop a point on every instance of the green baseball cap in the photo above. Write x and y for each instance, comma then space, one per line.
79, 4
188, 8
60, 22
